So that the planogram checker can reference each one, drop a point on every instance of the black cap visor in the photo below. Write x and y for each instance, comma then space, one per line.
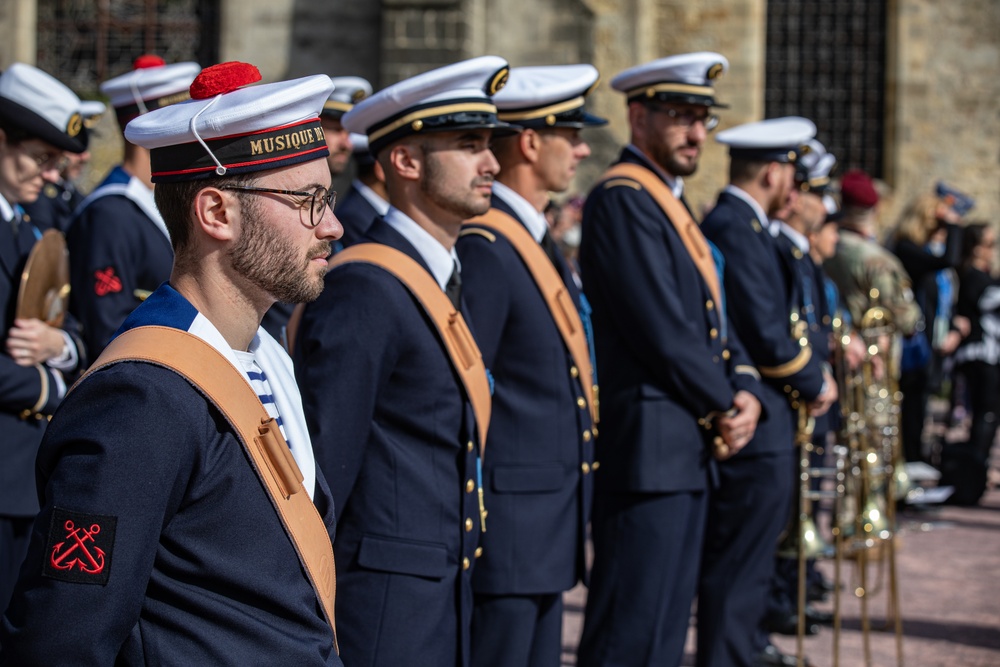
18, 116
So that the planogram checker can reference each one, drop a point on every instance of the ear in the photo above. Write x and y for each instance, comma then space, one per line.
406, 159
216, 212
530, 143
379, 172
772, 174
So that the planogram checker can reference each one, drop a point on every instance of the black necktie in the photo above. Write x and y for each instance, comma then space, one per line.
454, 288
550, 248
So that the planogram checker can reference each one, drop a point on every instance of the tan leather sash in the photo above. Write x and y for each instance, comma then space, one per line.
227, 389
555, 293
461, 346
679, 217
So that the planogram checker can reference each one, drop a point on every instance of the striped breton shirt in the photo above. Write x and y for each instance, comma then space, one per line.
258, 380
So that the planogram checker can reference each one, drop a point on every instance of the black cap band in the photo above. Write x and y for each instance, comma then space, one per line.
239, 154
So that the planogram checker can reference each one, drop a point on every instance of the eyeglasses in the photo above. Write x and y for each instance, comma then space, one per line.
319, 199
47, 161
688, 117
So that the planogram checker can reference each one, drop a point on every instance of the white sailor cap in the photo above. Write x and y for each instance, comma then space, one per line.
773, 140
359, 142
91, 111
453, 97
228, 127
359, 149
41, 106
813, 168
150, 85
347, 91
548, 96
687, 78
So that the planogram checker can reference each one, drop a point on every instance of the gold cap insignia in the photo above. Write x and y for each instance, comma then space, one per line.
357, 95
498, 81
714, 72
74, 125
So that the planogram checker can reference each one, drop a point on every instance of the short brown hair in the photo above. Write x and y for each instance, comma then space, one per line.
175, 200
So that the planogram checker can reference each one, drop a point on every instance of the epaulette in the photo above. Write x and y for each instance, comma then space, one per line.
489, 236
615, 182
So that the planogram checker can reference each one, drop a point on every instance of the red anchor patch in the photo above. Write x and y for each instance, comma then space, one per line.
79, 547
106, 282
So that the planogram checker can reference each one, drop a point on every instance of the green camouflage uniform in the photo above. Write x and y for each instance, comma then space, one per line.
861, 265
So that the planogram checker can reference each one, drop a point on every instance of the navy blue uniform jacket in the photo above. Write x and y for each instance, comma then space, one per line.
356, 215
395, 436
54, 207
199, 568
662, 359
114, 249
807, 298
540, 446
758, 302
21, 387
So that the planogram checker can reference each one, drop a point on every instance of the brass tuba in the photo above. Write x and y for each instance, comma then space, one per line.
864, 525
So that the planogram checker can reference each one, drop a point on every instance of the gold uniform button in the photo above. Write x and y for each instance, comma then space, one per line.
581, 402
788, 389
468, 525
595, 466
586, 436
471, 446
574, 371
470, 486
795, 393
709, 305
594, 430
479, 552
586, 468
714, 333
726, 354
466, 564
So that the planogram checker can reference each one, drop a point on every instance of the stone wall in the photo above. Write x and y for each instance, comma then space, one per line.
942, 90
17, 25
946, 87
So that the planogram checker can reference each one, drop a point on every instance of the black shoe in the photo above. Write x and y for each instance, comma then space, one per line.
772, 657
788, 624
817, 594
819, 616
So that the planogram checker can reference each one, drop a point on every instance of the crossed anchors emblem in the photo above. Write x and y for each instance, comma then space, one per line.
77, 554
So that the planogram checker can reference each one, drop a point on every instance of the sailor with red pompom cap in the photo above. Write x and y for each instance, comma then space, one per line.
163, 536
119, 244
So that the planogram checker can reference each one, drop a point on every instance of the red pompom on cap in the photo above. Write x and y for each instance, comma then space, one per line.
148, 60
223, 78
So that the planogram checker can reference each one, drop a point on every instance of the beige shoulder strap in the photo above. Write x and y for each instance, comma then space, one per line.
227, 389
680, 218
555, 293
465, 355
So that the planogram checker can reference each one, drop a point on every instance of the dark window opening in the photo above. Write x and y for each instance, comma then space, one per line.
827, 61
83, 42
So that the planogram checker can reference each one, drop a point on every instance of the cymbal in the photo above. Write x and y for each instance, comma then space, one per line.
44, 291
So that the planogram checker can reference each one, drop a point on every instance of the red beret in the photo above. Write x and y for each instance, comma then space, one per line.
857, 189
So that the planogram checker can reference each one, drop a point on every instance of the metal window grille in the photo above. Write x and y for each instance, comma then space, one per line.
83, 42
827, 61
